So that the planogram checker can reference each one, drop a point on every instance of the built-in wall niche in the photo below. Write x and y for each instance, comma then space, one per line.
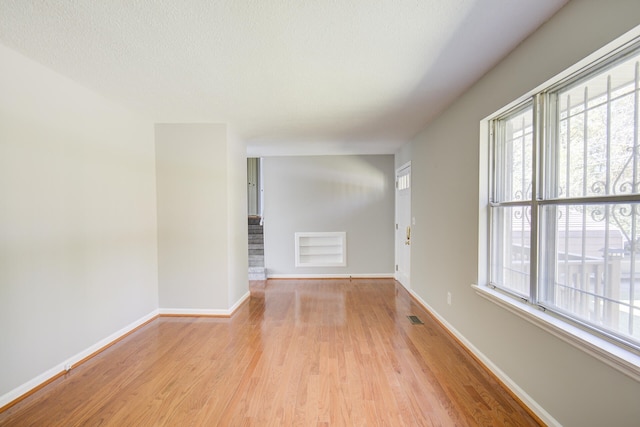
321, 249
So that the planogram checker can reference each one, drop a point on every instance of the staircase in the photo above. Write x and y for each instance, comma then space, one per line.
256, 250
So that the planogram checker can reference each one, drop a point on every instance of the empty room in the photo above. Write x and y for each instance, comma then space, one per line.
296, 213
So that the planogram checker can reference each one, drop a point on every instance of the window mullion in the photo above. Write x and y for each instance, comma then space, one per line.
537, 165
636, 120
493, 182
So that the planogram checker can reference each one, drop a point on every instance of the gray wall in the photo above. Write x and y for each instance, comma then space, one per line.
330, 193
77, 220
575, 388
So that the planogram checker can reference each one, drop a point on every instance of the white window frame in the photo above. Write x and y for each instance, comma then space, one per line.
624, 358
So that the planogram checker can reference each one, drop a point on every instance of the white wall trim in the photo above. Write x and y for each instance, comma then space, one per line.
332, 276
506, 380
238, 303
194, 312
205, 311
17, 392
404, 166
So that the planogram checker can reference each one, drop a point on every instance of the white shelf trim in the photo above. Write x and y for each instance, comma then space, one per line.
321, 249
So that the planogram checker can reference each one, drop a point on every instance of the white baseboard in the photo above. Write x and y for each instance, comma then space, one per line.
193, 312
331, 276
70, 362
237, 305
506, 380
204, 311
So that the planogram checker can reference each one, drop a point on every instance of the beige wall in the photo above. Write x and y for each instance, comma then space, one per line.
202, 237
573, 387
77, 220
237, 229
83, 256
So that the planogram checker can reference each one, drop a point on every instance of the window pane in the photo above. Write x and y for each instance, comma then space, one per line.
597, 150
513, 156
590, 265
511, 249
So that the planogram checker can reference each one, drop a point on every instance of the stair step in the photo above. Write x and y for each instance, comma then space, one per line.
257, 273
256, 249
256, 260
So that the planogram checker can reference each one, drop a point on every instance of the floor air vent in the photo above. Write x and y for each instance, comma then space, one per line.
415, 320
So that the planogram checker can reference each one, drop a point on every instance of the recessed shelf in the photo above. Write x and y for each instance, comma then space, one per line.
321, 249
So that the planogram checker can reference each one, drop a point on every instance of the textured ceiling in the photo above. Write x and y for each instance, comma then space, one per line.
291, 76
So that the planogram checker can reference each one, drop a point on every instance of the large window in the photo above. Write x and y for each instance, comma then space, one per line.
564, 209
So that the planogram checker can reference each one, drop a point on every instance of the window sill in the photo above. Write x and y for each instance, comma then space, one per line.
618, 358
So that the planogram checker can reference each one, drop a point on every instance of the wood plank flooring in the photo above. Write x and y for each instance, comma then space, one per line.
298, 353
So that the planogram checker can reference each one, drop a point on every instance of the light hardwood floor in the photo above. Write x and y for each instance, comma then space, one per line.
298, 353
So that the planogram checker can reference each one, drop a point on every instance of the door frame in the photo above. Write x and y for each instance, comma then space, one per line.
400, 237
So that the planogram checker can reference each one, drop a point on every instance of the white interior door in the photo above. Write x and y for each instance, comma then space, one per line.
403, 225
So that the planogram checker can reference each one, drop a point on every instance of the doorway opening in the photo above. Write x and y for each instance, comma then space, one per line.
257, 269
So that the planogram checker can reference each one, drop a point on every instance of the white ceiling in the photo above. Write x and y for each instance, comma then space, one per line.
291, 76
